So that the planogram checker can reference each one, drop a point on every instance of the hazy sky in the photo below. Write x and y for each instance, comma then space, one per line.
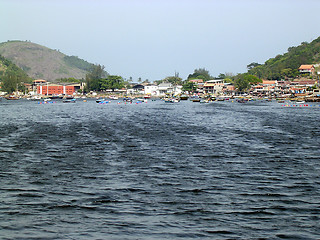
153, 39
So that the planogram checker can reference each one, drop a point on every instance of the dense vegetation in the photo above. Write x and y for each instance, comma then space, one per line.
11, 76
99, 80
286, 66
74, 61
200, 73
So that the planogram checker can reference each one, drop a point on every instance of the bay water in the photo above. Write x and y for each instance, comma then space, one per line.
157, 170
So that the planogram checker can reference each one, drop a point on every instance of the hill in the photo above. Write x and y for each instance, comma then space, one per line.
286, 65
7, 66
40, 62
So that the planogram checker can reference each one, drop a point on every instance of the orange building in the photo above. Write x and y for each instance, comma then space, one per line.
55, 89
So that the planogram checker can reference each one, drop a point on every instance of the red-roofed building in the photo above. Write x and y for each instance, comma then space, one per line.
306, 69
196, 81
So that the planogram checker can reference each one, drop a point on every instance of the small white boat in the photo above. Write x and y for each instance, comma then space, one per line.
113, 97
35, 98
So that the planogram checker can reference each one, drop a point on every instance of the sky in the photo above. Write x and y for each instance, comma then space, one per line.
154, 39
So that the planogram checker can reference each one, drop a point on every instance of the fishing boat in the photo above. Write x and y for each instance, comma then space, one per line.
12, 97
56, 96
171, 100
69, 100
195, 99
34, 98
127, 99
113, 97
184, 97
242, 100
47, 99
99, 100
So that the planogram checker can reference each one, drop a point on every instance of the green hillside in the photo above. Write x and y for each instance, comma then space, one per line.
11, 76
40, 62
286, 65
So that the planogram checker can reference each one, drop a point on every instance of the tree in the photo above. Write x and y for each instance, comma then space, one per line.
252, 79
146, 81
221, 76
12, 76
189, 86
252, 65
111, 82
174, 80
9, 82
241, 83
69, 80
94, 76
200, 73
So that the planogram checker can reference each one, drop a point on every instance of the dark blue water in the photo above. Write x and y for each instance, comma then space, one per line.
159, 171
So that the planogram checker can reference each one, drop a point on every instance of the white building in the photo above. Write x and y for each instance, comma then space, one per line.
157, 90
177, 89
165, 88
152, 90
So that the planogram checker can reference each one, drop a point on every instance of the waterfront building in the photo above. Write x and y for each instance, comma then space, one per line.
151, 89
165, 88
136, 89
214, 86
58, 89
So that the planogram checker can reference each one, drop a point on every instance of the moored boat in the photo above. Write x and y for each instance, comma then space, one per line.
69, 100
12, 97
195, 99
99, 100
56, 96
35, 98
113, 97
171, 100
184, 97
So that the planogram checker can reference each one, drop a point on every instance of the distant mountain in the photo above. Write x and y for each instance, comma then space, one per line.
40, 62
286, 65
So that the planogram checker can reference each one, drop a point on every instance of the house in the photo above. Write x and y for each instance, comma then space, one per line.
136, 89
304, 82
213, 86
196, 81
267, 87
228, 89
199, 84
165, 88
151, 90
28, 86
306, 69
38, 82
298, 91
177, 89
